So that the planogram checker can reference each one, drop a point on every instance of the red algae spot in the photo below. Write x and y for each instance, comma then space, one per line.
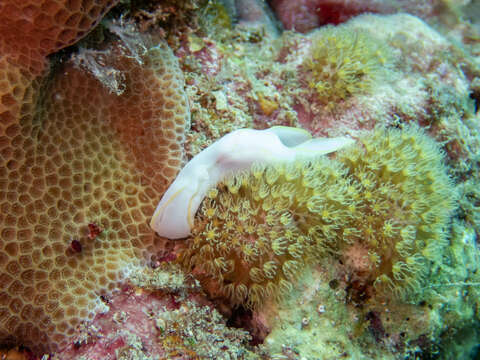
76, 246
93, 231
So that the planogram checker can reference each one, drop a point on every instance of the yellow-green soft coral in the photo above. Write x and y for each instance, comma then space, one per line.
343, 62
234, 152
401, 209
382, 206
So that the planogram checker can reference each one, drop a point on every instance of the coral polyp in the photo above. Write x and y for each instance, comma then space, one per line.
381, 206
343, 62
403, 202
236, 151
246, 238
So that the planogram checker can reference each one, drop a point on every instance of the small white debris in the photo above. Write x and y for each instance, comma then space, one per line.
321, 309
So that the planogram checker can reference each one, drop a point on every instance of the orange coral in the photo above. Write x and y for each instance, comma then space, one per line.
29, 31
32, 29
97, 145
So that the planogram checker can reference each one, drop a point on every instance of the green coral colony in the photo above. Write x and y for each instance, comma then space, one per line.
387, 198
344, 62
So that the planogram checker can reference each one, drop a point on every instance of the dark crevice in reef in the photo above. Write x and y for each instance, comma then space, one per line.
242, 318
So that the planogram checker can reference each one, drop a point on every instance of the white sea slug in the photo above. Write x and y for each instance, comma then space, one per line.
234, 152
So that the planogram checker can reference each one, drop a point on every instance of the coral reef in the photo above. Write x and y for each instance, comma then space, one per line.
162, 315
383, 205
259, 81
320, 318
83, 168
343, 62
30, 30
237, 151
402, 92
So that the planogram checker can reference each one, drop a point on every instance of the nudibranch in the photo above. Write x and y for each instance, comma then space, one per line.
236, 151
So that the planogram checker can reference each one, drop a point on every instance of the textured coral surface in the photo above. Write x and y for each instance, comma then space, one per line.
83, 168
388, 196
32, 29
342, 63
68, 208
29, 31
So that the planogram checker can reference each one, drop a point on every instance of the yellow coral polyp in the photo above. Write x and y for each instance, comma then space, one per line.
329, 206
389, 228
344, 62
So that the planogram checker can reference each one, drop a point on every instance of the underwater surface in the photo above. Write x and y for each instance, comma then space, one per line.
239, 179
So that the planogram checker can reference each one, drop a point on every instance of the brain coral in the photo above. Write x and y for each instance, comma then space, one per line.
388, 196
84, 167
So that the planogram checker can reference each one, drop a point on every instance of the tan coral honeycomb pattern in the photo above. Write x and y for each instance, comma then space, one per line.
29, 31
33, 29
18, 97
89, 156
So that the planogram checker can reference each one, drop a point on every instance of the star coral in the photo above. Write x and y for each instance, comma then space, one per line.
33, 29
83, 156
388, 196
29, 32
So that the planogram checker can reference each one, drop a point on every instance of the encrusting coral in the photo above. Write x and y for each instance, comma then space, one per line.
29, 31
387, 198
343, 62
85, 155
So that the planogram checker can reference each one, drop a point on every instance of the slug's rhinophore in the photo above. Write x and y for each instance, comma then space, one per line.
234, 152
